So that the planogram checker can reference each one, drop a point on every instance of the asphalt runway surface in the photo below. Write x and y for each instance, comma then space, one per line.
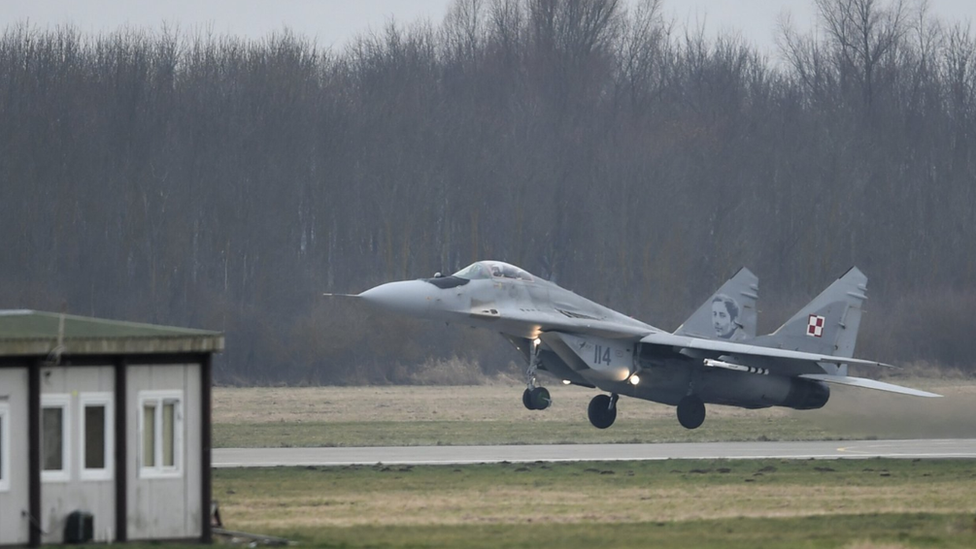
454, 455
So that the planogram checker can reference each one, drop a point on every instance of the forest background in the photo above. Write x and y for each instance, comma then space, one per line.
211, 181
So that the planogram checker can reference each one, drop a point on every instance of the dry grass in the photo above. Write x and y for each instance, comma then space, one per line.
425, 403
502, 402
592, 492
398, 416
872, 504
493, 414
873, 545
508, 505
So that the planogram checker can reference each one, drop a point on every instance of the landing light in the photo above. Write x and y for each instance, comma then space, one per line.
537, 342
566, 382
634, 379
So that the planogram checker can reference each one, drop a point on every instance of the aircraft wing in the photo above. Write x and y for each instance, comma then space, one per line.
566, 323
710, 348
870, 384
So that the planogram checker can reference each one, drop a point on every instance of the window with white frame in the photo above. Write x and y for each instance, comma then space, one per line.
4, 446
97, 440
55, 438
161, 433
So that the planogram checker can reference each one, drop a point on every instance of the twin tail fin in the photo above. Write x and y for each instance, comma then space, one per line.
729, 314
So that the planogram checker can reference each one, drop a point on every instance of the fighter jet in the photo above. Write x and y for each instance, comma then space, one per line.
715, 357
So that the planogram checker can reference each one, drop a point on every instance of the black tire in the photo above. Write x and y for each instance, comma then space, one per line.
527, 399
540, 398
601, 414
691, 412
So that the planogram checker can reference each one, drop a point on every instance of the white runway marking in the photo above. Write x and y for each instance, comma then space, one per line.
456, 455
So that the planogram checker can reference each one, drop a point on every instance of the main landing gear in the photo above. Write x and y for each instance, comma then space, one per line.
691, 412
603, 410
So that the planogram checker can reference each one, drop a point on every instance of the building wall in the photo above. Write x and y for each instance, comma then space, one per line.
14, 526
165, 508
59, 498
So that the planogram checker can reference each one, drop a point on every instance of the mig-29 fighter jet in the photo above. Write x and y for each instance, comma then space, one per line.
715, 357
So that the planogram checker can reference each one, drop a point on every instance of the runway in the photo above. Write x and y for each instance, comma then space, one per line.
455, 455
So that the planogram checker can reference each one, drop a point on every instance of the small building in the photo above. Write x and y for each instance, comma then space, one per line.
107, 420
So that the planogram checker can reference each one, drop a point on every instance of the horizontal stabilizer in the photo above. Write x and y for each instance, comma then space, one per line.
869, 384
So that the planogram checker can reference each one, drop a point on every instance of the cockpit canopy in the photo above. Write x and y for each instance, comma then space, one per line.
493, 269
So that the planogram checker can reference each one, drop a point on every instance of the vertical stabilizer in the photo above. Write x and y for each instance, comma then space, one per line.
828, 324
730, 313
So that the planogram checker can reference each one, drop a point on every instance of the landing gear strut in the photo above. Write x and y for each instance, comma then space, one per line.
603, 410
691, 412
534, 398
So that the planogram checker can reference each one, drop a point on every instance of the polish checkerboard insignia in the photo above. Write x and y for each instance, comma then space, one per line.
815, 326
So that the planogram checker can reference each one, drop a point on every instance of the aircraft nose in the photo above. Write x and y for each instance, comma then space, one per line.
411, 297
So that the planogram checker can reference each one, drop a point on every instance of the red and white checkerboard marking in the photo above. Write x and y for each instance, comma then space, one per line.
815, 326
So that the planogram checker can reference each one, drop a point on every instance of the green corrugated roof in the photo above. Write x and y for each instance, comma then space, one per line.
25, 332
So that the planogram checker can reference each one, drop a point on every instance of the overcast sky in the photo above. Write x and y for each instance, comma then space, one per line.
334, 22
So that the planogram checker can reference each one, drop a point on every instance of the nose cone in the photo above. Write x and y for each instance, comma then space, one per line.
409, 297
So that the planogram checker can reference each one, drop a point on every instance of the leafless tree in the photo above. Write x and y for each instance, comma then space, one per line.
198, 179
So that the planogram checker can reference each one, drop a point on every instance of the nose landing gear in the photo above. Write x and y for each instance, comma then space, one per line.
602, 410
536, 398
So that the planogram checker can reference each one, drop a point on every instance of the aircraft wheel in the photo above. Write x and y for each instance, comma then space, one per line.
601, 412
539, 398
527, 399
691, 412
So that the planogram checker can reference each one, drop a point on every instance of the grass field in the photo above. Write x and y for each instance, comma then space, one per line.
767, 503
493, 414
871, 504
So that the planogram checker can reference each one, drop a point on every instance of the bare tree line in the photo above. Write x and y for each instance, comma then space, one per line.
212, 181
